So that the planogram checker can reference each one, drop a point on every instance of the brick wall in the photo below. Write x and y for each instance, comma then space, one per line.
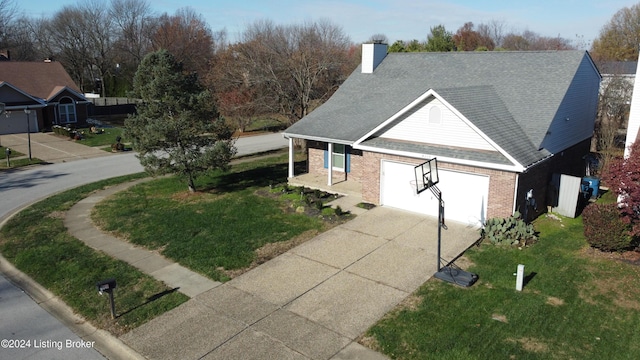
365, 167
316, 163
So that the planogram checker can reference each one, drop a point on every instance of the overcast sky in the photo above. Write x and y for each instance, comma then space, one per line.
397, 19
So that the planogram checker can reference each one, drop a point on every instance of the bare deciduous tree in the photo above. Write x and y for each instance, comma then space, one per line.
187, 36
613, 112
292, 68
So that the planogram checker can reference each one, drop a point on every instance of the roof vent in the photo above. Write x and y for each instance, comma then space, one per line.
372, 56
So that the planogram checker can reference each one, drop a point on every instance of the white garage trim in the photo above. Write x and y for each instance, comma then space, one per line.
465, 194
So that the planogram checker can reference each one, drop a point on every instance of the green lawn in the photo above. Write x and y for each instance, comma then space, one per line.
214, 232
37, 243
15, 163
578, 304
105, 138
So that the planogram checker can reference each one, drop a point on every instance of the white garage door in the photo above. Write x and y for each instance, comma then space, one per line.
465, 195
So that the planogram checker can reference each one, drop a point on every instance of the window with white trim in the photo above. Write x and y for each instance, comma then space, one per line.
338, 157
66, 111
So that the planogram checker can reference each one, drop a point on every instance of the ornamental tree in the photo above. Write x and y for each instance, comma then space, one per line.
176, 129
623, 177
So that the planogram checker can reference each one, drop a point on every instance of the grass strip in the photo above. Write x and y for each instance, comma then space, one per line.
36, 242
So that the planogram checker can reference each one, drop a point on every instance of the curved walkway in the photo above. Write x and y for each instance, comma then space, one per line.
79, 224
312, 302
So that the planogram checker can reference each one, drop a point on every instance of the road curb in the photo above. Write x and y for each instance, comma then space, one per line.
105, 343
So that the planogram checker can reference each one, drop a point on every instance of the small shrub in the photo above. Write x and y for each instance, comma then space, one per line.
319, 204
339, 211
508, 231
604, 228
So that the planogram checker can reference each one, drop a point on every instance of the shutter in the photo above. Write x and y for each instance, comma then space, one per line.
347, 159
326, 159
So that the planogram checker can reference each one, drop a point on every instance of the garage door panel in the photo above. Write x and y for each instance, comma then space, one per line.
16, 123
465, 195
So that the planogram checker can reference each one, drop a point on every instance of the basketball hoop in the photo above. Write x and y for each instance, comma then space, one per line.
416, 186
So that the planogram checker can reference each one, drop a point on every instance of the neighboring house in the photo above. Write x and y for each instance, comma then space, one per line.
499, 123
46, 90
621, 69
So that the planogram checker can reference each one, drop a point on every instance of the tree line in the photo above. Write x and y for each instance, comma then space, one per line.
281, 69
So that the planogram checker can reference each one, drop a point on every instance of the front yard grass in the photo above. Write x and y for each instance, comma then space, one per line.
36, 242
578, 304
216, 232
104, 139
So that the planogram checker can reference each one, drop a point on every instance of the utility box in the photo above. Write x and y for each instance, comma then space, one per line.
590, 186
568, 193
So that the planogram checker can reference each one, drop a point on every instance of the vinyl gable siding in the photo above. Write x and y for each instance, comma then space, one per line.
421, 126
574, 121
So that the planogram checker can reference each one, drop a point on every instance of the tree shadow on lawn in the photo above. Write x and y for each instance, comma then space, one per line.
258, 177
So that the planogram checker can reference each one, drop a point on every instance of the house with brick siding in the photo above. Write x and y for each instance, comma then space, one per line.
45, 90
499, 123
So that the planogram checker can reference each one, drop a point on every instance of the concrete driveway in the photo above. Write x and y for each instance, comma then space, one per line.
312, 302
50, 148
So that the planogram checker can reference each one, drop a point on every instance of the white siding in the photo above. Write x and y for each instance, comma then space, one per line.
451, 131
574, 120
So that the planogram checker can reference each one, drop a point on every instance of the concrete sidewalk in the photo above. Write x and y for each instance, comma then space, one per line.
312, 302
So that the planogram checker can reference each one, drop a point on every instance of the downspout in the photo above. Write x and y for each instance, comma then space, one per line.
515, 194
291, 159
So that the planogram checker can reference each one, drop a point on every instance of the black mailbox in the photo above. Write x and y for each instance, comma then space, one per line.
106, 285
8, 151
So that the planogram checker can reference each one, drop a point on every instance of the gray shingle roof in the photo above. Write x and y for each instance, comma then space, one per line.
511, 96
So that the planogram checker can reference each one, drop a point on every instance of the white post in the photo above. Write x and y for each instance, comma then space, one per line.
330, 164
520, 277
634, 114
291, 158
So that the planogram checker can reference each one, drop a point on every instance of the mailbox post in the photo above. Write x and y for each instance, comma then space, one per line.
8, 153
107, 286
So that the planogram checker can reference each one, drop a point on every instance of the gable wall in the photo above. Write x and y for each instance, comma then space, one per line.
9, 95
579, 106
415, 126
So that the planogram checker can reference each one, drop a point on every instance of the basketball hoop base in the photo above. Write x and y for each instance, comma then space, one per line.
456, 276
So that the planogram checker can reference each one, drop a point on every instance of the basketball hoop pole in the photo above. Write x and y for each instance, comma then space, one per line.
434, 189
428, 173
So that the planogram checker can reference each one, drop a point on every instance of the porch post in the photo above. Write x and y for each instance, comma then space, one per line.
291, 158
330, 164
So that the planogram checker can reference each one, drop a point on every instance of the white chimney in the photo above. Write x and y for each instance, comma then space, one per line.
372, 56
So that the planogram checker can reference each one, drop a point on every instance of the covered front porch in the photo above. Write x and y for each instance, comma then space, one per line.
317, 181
335, 181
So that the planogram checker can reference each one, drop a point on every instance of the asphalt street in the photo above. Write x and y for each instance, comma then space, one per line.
27, 331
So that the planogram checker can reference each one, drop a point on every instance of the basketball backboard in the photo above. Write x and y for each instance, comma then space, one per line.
426, 175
